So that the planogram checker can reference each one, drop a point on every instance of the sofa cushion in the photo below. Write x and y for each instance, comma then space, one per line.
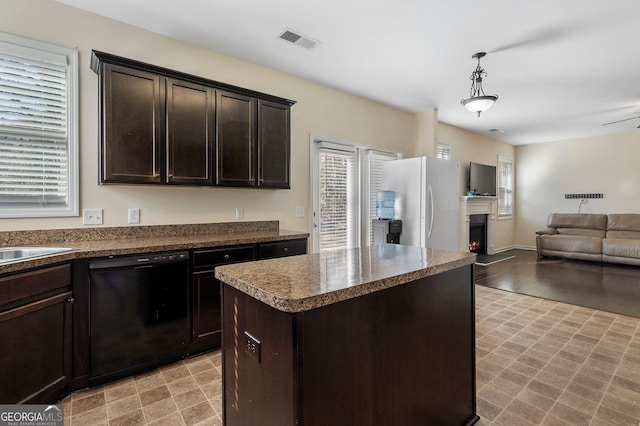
593, 225
624, 226
621, 247
571, 243
598, 233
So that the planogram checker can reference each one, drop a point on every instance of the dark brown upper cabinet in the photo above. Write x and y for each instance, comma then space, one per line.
273, 145
131, 113
236, 139
160, 126
253, 142
190, 133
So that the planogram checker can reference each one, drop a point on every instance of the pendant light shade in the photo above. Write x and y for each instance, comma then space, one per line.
477, 101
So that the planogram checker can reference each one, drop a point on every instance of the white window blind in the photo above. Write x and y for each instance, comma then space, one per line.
443, 150
37, 130
338, 206
374, 167
505, 187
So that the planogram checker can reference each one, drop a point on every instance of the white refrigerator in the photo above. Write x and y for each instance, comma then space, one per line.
427, 200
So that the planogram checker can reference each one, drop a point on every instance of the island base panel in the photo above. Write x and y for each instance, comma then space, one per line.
403, 355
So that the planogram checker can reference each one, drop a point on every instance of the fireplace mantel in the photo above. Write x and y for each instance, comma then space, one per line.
477, 205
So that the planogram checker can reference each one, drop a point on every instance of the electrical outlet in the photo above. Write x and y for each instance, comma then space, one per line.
134, 215
92, 216
299, 211
252, 346
239, 213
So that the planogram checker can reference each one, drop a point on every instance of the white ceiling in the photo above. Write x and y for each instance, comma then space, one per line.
561, 68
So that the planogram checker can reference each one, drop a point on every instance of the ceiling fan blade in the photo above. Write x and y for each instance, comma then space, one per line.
620, 121
548, 35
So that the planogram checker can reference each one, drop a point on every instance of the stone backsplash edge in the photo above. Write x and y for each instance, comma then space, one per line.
45, 236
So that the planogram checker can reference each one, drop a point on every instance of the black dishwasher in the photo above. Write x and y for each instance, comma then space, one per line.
139, 313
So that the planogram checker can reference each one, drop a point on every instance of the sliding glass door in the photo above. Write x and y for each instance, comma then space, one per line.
345, 178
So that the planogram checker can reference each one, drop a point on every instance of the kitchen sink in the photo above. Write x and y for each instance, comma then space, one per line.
11, 254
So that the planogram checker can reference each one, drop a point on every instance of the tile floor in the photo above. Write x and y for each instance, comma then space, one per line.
538, 362
187, 392
550, 363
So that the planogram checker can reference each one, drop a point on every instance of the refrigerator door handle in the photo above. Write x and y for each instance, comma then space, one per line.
432, 209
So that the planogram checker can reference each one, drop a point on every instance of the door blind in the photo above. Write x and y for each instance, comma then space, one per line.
375, 160
338, 198
34, 167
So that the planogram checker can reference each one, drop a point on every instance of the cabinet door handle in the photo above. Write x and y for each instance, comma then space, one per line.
170, 175
285, 249
71, 300
226, 256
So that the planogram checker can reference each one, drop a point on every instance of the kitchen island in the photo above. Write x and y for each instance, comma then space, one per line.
380, 335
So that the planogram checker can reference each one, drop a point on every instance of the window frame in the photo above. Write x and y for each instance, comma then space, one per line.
505, 188
27, 48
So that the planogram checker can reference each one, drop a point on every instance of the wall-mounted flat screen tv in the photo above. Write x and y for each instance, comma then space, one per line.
482, 179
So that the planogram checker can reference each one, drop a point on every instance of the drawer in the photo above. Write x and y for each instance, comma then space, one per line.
27, 285
282, 248
212, 257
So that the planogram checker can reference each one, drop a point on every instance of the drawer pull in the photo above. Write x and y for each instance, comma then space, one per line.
226, 256
285, 249
71, 300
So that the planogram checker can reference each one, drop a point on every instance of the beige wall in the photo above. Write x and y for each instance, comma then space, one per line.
426, 124
467, 147
545, 172
319, 110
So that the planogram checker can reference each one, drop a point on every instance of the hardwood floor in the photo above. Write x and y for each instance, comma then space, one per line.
606, 287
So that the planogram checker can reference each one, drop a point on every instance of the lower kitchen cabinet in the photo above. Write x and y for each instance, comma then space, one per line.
206, 307
45, 331
206, 315
35, 331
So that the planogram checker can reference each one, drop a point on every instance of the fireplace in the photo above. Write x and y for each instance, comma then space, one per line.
478, 233
485, 208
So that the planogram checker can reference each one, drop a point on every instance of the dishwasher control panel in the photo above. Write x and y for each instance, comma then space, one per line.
139, 259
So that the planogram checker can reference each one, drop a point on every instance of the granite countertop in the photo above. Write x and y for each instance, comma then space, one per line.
101, 242
301, 283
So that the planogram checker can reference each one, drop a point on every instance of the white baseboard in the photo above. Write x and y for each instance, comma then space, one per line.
503, 249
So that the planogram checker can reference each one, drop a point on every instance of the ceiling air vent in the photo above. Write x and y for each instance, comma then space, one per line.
299, 39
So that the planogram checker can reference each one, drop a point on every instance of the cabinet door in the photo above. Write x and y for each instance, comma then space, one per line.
235, 116
190, 121
207, 323
36, 360
273, 145
132, 119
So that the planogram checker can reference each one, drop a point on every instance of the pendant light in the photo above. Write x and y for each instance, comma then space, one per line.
478, 102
